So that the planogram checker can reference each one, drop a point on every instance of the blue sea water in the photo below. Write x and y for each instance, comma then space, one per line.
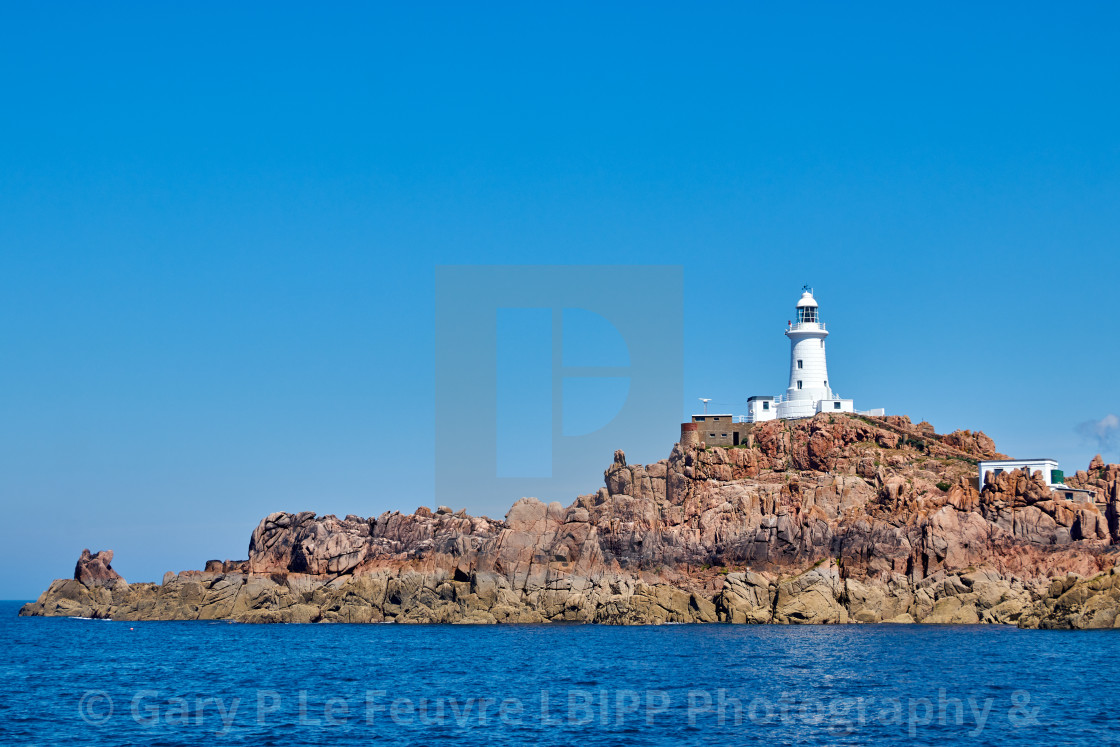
188, 683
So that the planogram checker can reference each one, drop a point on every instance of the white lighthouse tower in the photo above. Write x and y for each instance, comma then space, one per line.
808, 370
809, 392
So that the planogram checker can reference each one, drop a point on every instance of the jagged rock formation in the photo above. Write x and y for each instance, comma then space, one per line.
830, 520
95, 570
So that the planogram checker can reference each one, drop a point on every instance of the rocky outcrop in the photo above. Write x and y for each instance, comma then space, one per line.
1078, 603
96, 590
835, 519
95, 570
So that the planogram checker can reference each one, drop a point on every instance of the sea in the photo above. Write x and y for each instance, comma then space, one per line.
76, 681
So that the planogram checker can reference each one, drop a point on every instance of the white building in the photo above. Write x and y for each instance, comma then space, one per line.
1054, 477
808, 392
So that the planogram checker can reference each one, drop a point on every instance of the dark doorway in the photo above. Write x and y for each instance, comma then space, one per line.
735, 438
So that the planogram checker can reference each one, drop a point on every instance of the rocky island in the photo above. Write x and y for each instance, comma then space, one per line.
834, 519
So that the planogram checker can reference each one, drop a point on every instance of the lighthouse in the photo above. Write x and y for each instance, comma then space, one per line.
808, 370
809, 391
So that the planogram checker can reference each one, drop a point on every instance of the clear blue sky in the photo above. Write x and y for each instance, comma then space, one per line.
219, 226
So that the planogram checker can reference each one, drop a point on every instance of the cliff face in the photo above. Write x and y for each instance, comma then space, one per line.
834, 519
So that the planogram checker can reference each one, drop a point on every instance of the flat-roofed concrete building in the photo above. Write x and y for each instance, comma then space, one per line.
720, 430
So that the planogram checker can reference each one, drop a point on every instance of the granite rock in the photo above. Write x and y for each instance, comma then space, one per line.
833, 519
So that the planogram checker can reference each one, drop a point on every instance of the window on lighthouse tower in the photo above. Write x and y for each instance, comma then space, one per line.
799, 364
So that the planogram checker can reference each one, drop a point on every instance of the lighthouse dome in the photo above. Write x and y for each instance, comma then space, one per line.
806, 301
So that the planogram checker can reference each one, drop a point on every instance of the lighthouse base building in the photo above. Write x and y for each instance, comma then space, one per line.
764, 407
